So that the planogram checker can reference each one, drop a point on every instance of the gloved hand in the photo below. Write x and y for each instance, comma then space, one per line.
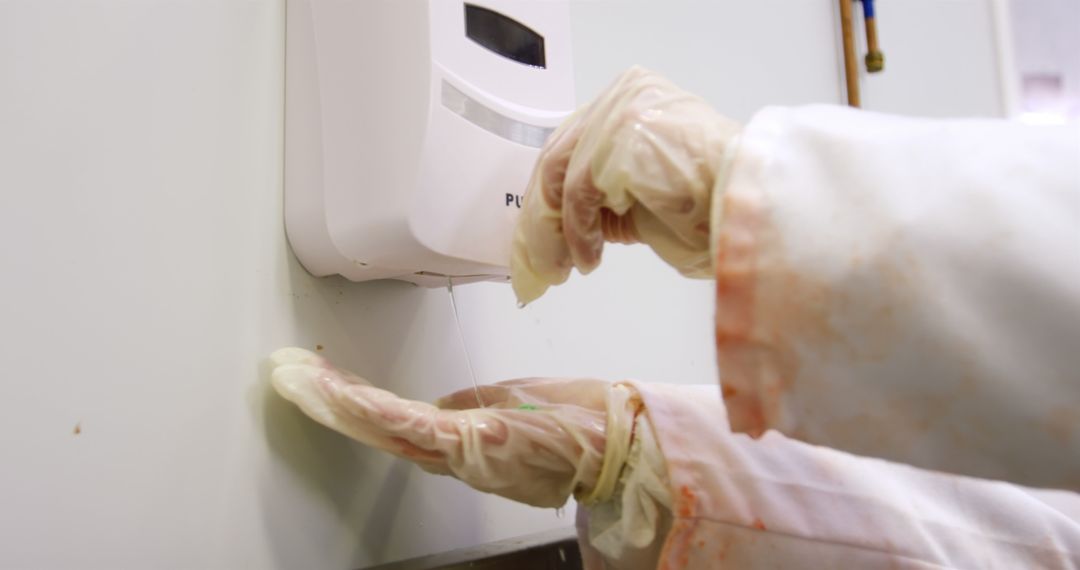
537, 441
639, 164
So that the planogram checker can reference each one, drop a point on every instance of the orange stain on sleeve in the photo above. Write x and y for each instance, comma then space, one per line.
758, 524
676, 551
687, 502
765, 308
725, 545
737, 259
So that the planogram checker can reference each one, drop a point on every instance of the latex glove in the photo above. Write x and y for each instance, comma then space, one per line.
537, 441
639, 164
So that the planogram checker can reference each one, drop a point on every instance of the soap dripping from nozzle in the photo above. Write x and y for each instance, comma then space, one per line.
461, 337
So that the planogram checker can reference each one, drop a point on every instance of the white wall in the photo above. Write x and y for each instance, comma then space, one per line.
1047, 44
146, 276
941, 58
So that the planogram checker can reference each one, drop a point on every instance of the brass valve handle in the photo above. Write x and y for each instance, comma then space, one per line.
875, 60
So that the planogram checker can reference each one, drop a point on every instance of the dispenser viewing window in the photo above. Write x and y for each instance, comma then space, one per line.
411, 129
504, 36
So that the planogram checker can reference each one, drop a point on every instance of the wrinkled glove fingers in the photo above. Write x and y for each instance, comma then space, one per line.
584, 200
538, 454
599, 178
411, 425
300, 356
503, 394
535, 392
539, 458
681, 153
581, 219
345, 403
618, 229
294, 355
541, 256
311, 387
687, 257
491, 395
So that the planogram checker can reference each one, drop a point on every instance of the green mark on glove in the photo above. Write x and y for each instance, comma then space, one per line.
526, 407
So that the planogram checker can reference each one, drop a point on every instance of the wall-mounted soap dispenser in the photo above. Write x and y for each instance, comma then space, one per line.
412, 127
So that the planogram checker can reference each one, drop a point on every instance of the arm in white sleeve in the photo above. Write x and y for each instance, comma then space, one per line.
731, 501
906, 289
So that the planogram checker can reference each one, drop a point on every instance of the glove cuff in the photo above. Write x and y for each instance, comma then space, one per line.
716, 205
623, 407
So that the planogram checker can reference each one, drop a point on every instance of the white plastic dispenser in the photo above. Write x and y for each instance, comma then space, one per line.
411, 129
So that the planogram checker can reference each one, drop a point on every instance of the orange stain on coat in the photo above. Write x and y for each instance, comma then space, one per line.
758, 524
687, 502
737, 261
676, 551
768, 310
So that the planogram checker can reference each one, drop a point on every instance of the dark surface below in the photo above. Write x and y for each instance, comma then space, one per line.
551, 550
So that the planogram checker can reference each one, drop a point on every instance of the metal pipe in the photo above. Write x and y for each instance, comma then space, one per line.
875, 60
851, 65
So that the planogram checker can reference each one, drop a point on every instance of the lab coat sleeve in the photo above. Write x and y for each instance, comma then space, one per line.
775, 502
904, 288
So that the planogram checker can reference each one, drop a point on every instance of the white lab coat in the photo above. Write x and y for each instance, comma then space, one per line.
893, 288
